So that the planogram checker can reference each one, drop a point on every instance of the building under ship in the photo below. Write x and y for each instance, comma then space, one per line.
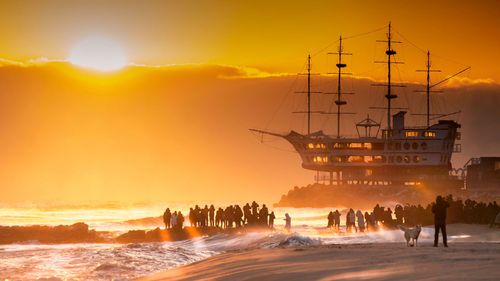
394, 155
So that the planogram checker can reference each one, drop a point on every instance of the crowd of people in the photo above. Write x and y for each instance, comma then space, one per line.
228, 217
173, 220
468, 211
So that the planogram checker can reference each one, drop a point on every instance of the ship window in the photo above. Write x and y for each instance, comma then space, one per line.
424, 146
497, 165
355, 145
407, 145
411, 134
407, 159
320, 159
320, 146
339, 145
398, 146
391, 159
414, 146
368, 159
416, 158
355, 159
430, 134
399, 159
368, 145
310, 146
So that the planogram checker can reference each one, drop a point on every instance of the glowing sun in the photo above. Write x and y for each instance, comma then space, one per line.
98, 53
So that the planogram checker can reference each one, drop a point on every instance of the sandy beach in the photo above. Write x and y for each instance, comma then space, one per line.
465, 260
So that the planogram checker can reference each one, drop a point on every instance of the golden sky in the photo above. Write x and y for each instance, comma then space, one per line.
179, 132
271, 35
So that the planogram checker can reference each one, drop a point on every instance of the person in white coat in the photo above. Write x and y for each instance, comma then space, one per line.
173, 220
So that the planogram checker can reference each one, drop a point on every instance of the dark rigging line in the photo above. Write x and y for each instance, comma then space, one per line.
348, 37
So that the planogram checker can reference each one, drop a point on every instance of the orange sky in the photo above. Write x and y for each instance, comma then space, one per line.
271, 35
180, 132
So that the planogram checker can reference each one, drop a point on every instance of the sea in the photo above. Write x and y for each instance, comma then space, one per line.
36, 261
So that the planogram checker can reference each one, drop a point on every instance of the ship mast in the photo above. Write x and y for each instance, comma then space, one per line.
389, 52
309, 94
389, 96
340, 102
428, 91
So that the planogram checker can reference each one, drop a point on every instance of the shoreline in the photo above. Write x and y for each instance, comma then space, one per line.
472, 254
381, 261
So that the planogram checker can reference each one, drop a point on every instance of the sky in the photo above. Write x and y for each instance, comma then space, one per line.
174, 125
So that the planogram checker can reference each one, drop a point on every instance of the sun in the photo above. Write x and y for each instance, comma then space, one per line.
98, 53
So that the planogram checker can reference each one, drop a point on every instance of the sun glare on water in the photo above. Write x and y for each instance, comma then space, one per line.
98, 53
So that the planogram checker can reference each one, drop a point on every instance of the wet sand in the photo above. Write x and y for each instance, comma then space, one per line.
377, 261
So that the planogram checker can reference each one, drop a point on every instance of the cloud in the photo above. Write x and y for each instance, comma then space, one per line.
457, 82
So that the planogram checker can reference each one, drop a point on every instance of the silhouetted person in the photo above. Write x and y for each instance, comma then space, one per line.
218, 218
330, 220
246, 213
211, 212
263, 213
388, 217
398, 211
180, 221
361, 221
255, 207
204, 212
192, 217
336, 219
351, 221
271, 220
166, 218
439, 210
368, 222
238, 215
288, 222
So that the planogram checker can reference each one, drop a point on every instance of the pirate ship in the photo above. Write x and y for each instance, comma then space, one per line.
395, 155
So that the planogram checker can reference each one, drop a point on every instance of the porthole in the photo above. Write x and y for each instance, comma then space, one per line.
399, 159
416, 158
414, 146
406, 146
398, 146
424, 146
407, 159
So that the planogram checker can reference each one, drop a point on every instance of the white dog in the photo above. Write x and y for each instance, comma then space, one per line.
411, 234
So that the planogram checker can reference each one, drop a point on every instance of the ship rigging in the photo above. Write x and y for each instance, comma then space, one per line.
401, 155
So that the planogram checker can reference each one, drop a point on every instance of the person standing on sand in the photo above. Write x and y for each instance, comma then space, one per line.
330, 220
336, 220
288, 222
439, 210
352, 220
